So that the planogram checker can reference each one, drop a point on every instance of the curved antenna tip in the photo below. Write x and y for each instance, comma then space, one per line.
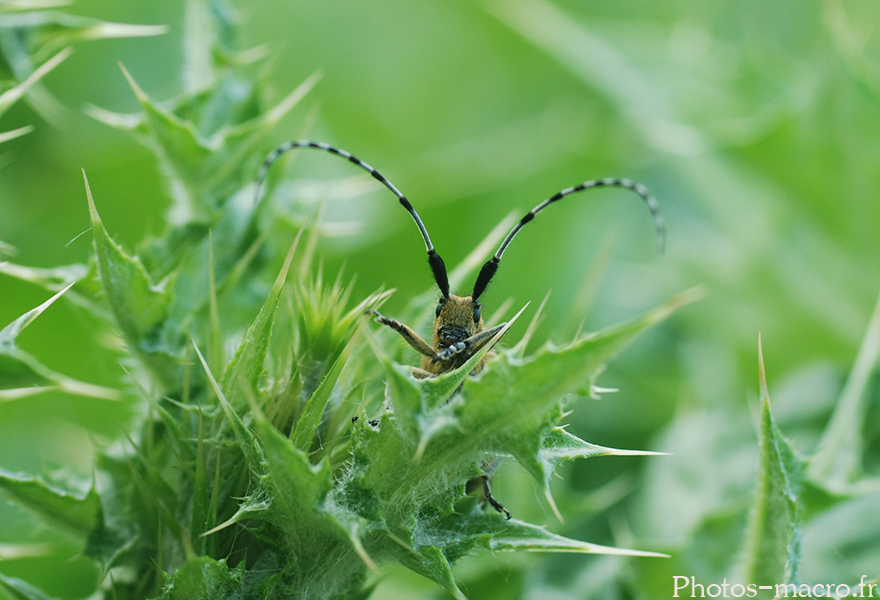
488, 270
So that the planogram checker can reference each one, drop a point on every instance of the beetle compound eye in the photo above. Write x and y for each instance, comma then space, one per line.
477, 314
440, 304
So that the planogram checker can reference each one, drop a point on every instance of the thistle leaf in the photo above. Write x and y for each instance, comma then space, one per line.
139, 306
13, 95
559, 445
22, 375
837, 465
508, 408
241, 379
77, 515
323, 537
772, 545
307, 424
52, 279
514, 535
9, 333
203, 578
17, 589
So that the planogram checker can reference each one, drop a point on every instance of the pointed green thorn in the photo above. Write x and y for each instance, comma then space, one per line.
11, 135
139, 93
13, 95
12, 331
277, 112
93, 212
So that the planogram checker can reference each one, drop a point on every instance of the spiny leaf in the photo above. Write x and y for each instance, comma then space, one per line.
507, 408
243, 434
30, 38
305, 428
837, 464
255, 506
431, 562
559, 445
23, 375
11, 96
773, 536
9, 333
517, 535
300, 487
299, 490
42, 33
202, 152
75, 514
51, 279
446, 539
244, 372
177, 143
140, 307
203, 578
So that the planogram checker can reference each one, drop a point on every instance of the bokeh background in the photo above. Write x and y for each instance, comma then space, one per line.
755, 124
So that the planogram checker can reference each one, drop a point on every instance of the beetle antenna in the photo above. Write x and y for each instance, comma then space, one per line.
438, 268
488, 270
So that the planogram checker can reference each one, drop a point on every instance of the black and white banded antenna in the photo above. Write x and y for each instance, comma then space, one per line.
438, 268
491, 266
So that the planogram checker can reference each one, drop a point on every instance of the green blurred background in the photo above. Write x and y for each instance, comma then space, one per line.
755, 124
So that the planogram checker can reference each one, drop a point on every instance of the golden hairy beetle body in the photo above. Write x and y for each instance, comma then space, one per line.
458, 333
454, 322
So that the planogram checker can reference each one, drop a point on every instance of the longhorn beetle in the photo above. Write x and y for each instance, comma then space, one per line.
458, 321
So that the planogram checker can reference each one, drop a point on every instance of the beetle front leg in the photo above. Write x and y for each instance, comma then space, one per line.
470, 345
412, 338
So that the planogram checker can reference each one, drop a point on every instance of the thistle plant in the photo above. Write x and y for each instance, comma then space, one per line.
35, 41
245, 474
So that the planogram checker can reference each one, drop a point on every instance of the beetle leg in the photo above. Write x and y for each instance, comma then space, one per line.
491, 499
420, 373
412, 338
470, 345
